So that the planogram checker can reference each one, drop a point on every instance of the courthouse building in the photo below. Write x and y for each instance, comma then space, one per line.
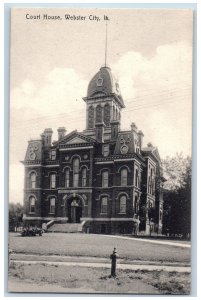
100, 180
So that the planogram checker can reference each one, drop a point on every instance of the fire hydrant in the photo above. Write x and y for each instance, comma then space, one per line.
113, 258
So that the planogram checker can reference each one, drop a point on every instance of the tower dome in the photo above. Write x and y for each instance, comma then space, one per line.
104, 84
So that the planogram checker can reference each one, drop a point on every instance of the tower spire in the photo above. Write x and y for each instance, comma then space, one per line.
106, 44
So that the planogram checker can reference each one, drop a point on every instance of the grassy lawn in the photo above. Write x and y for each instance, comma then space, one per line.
68, 279
96, 246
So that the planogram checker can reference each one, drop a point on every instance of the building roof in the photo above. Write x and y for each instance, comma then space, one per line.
151, 150
104, 83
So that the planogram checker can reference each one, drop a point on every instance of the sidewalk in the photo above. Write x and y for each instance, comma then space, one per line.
169, 243
96, 262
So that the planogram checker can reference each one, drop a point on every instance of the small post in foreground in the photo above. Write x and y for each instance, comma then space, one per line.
113, 258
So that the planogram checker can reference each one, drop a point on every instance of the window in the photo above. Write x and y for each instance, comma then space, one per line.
104, 205
124, 176
151, 182
105, 178
107, 114
32, 203
84, 177
149, 185
98, 114
136, 178
33, 180
91, 117
160, 215
75, 172
122, 204
136, 205
52, 205
53, 181
153, 186
67, 178
114, 113
150, 204
105, 150
53, 154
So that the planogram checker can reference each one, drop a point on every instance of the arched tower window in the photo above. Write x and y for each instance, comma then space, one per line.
122, 204
107, 114
91, 117
114, 113
124, 176
84, 177
118, 115
76, 172
33, 180
98, 114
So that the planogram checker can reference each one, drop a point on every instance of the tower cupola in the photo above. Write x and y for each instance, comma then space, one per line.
104, 101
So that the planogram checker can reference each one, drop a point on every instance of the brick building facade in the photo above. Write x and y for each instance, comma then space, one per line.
102, 178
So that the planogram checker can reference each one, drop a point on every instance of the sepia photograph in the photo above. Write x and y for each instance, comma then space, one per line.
100, 151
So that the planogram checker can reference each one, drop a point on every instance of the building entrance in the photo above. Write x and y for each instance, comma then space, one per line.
74, 211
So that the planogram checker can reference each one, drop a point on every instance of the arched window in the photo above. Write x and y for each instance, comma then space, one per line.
137, 178
67, 178
52, 205
104, 202
76, 172
149, 185
136, 205
33, 180
98, 114
114, 113
91, 117
122, 204
107, 114
118, 115
124, 176
105, 176
84, 177
32, 204
52, 181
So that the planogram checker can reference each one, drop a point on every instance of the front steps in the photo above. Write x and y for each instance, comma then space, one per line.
67, 227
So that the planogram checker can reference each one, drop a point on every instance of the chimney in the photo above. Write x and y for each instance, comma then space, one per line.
47, 137
141, 135
43, 138
115, 127
133, 127
61, 132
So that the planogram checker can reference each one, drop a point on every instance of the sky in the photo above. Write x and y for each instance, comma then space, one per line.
52, 62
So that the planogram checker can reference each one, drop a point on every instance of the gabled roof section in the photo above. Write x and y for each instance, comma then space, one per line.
75, 137
34, 151
152, 150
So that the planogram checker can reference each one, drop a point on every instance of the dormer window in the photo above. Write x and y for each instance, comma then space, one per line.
99, 81
106, 150
53, 154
